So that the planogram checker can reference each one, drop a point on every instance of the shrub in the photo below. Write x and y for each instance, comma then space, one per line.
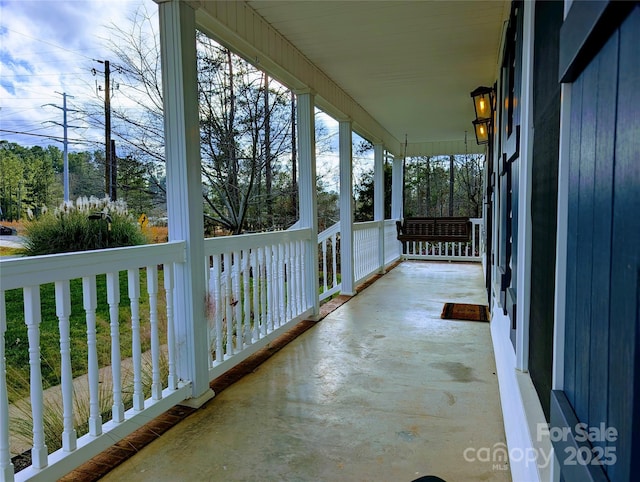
87, 225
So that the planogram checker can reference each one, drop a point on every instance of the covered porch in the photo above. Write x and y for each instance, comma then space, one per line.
430, 385
380, 389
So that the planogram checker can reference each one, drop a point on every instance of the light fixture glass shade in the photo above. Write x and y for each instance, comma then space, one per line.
481, 129
483, 102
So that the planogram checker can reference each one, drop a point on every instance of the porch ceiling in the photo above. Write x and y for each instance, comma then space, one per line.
410, 64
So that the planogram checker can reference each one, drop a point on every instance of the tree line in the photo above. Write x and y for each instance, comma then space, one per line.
31, 179
427, 189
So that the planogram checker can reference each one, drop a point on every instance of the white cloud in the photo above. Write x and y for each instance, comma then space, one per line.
50, 46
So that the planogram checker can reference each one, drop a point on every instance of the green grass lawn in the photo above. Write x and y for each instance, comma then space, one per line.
16, 340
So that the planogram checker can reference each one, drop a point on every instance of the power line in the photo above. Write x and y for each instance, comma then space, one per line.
49, 43
53, 138
52, 74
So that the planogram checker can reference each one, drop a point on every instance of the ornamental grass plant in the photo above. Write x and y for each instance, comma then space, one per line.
87, 224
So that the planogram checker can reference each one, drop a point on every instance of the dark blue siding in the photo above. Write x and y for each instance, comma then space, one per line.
602, 214
602, 355
585, 233
625, 260
572, 242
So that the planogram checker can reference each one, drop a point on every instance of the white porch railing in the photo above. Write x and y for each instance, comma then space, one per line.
392, 247
450, 251
329, 252
257, 287
366, 256
366, 252
28, 275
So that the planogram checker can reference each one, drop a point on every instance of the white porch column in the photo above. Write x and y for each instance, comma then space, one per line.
396, 189
184, 192
378, 199
308, 193
346, 208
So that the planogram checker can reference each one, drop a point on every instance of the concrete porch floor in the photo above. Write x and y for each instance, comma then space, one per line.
381, 389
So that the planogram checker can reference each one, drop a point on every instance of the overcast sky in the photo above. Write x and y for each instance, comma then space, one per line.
49, 46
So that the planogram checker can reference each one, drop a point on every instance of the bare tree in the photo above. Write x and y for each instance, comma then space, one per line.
137, 102
244, 132
469, 180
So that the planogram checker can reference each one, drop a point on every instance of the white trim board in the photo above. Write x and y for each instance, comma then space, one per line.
521, 409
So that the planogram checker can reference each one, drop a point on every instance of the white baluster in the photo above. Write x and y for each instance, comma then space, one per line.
63, 311
303, 285
246, 297
133, 284
152, 291
262, 280
284, 261
300, 276
373, 251
214, 291
6, 467
356, 255
237, 298
281, 285
370, 252
172, 379
365, 252
324, 264
293, 273
272, 289
209, 314
269, 281
89, 300
334, 255
473, 239
359, 255
228, 296
275, 270
218, 308
32, 318
291, 260
255, 283
113, 299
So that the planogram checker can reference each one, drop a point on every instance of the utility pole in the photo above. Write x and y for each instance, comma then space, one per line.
114, 171
109, 158
107, 129
65, 141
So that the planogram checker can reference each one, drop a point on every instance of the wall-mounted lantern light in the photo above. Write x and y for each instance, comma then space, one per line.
483, 99
483, 102
481, 129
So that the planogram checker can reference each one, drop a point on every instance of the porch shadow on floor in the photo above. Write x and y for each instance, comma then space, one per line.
380, 389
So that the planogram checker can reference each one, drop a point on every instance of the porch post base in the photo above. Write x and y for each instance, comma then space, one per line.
199, 401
